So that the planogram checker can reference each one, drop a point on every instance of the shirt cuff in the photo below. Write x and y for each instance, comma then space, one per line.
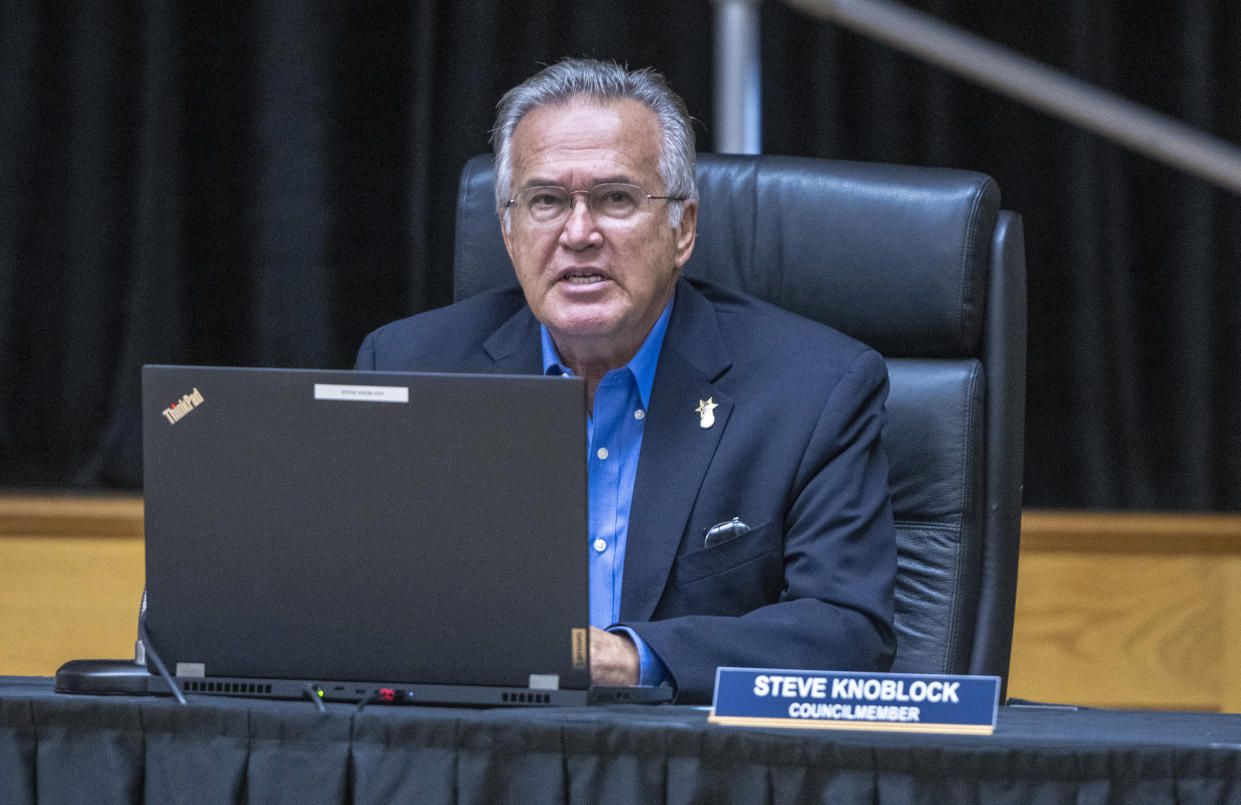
652, 672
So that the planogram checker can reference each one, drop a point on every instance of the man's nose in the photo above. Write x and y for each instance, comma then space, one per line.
580, 228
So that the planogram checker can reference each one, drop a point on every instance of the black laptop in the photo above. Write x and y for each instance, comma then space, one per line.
362, 536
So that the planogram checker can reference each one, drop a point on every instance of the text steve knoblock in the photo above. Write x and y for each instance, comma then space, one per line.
764, 697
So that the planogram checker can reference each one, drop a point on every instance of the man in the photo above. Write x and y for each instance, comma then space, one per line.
739, 509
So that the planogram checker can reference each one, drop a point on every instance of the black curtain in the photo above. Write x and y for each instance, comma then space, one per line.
263, 183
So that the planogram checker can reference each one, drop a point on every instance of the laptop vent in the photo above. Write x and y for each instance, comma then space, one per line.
526, 698
252, 688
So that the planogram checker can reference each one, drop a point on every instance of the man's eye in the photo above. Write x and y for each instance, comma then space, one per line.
545, 200
617, 200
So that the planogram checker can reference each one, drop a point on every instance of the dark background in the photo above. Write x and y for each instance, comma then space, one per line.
264, 183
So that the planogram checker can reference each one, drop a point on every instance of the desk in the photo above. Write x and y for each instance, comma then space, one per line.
61, 749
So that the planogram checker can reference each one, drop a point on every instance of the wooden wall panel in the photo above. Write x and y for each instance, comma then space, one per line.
71, 578
1113, 610
1122, 631
1125, 610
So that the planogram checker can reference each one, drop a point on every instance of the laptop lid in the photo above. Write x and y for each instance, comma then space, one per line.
396, 528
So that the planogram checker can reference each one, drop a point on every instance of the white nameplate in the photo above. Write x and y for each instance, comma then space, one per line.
392, 394
765, 697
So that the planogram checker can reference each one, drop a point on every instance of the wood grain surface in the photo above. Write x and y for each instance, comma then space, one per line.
1113, 610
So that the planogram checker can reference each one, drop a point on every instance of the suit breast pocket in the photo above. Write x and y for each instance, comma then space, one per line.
733, 578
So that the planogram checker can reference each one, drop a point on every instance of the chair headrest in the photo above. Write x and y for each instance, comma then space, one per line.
895, 256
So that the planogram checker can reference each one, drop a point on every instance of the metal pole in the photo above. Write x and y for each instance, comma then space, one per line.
738, 124
1056, 93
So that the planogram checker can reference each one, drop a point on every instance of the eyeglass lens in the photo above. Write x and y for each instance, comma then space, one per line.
611, 200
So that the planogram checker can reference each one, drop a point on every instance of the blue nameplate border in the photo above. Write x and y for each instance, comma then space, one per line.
850, 700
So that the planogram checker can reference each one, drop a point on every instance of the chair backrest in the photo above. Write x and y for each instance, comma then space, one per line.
921, 264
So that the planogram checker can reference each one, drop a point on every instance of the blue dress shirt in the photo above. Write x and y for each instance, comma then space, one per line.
614, 440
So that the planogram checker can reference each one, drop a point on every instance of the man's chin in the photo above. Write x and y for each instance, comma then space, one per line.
585, 318
582, 329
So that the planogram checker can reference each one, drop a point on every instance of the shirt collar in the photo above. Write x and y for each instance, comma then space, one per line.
641, 365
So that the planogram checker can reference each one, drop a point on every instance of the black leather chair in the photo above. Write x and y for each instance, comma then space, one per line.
922, 265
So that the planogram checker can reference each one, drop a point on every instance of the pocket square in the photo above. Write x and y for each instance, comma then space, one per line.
720, 533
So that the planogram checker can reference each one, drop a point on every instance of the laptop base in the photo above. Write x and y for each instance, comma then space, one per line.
404, 694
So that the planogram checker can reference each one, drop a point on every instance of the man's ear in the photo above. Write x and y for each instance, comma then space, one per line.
686, 231
505, 233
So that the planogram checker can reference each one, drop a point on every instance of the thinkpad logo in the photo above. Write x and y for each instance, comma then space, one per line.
177, 411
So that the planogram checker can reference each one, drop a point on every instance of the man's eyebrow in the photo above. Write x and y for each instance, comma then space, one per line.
538, 183
618, 178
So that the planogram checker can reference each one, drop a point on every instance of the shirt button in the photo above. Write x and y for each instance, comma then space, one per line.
639, 415
602, 453
601, 545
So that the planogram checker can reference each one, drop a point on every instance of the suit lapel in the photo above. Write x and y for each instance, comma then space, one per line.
676, 449
516, 346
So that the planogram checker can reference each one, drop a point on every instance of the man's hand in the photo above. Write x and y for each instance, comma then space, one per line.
613, 658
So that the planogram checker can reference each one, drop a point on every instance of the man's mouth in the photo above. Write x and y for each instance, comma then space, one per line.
582, 277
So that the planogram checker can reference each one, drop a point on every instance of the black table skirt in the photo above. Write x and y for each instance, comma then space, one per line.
64, 749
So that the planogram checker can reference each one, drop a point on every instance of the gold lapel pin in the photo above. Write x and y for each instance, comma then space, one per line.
706, 412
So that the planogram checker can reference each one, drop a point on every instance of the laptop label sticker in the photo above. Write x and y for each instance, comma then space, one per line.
390, 394
579, 647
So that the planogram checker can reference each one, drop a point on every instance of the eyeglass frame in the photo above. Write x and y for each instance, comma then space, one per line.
589, 191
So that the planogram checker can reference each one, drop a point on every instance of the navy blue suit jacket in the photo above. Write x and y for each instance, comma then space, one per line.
794, 452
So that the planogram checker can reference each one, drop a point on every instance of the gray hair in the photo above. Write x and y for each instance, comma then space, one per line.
604, 81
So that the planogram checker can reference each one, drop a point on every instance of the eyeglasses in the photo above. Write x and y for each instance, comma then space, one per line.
551, 204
